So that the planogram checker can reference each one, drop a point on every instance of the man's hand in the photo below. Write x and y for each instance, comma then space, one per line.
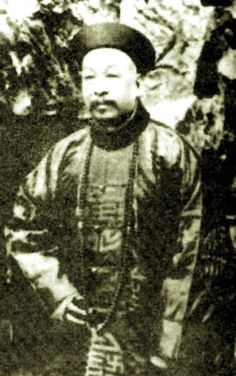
157, 367
76, 311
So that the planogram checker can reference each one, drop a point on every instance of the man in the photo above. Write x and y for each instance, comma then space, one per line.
106, 227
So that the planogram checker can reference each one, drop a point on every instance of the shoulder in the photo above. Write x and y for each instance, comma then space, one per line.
59, 154
76, 138
70, 143
169, 144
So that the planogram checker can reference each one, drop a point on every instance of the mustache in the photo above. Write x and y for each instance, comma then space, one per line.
98, 102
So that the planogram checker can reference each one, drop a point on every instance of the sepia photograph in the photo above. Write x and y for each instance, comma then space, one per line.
117, 188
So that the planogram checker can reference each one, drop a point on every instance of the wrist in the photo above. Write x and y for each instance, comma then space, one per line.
158, 362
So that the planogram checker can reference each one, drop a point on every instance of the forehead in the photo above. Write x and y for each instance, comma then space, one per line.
106, 57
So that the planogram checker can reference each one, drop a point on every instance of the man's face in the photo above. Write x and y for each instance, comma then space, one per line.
109, 83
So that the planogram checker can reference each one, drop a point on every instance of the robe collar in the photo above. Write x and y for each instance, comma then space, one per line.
121, 135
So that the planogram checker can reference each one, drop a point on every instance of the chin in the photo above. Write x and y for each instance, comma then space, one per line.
105, 117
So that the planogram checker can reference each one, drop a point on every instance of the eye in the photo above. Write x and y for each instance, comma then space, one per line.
113, 74
88, 77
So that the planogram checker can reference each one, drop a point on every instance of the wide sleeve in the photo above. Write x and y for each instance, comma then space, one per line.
29, 236
183, 189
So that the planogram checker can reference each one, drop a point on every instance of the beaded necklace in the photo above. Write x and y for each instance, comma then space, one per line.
82, 201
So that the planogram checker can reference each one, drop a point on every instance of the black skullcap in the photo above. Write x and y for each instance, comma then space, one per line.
115, 35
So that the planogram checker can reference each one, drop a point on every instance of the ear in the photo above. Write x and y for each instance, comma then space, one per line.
139, 81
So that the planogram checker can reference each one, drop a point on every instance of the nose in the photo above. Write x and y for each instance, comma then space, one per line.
100, 87
100, 93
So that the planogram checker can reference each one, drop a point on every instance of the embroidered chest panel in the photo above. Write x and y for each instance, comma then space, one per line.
104, 221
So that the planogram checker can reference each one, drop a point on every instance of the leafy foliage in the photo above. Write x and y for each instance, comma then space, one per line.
34, 58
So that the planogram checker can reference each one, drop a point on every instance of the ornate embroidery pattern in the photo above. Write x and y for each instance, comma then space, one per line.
105, 356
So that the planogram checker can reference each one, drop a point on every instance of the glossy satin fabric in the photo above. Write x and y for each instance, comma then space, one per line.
163, 245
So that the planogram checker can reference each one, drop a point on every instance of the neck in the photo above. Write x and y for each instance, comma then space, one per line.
112, 125
118, 134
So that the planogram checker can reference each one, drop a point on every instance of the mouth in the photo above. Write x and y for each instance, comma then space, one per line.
103, 105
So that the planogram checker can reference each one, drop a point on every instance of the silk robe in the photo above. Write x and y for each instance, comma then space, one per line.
42, 237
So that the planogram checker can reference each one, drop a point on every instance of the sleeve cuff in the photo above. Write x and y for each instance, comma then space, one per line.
58, 314
170, 339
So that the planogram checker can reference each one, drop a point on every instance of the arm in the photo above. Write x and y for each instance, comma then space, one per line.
185, 189
29, 238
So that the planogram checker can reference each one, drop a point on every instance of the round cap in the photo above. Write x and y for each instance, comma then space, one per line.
115, 35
